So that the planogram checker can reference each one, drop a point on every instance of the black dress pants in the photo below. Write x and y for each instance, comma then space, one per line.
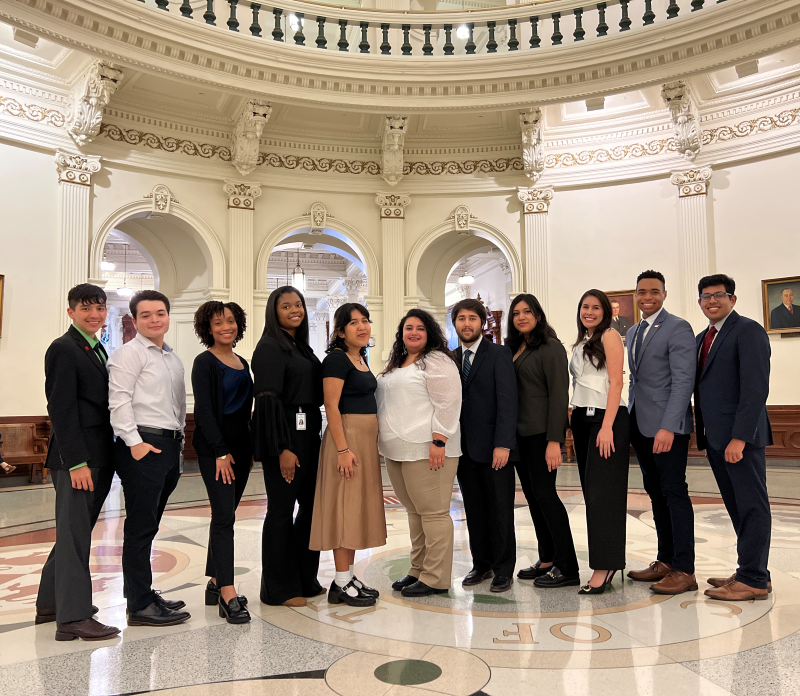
147, 485
605, 485
743, 487
289, 567
66, 586
489, 506
664, 477
550, 517
224, 499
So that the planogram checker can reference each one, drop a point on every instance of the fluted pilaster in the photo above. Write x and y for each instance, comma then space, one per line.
392, 208
536, 206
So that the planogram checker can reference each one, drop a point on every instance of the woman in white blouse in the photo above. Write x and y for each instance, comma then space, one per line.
419, 405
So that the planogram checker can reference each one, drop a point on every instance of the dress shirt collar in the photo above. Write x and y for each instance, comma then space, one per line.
719, 324
91, 340
147, 343
653, 317
473, 348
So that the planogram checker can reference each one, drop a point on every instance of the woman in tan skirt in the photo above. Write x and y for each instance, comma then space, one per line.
348, 504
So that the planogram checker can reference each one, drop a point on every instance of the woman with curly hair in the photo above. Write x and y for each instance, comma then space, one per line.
223, 398
419, 405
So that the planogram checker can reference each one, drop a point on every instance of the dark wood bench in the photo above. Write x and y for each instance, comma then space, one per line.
21, 445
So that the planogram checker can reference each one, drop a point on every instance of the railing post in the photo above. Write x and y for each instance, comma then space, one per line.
535, 40
233, 23
470, 45
405, 49
513, 41
364, 45
277, 32
163, 4
343, 44
321, 41
209, 15
491, 45
672, 9
299, 37
427, 47
386, 47
186, 9
448, 39
697, 5
625, 22
579, 32
602, 27
255, 27
649, 16
557, 35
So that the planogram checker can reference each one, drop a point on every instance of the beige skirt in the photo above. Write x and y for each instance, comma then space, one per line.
349, 514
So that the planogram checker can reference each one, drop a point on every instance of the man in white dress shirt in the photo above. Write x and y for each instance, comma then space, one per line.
147, 399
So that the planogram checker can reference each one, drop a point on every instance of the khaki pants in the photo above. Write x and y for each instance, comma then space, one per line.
426, 495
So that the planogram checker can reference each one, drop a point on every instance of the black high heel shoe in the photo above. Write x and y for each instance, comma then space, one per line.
234, 612
588, 589
212, 595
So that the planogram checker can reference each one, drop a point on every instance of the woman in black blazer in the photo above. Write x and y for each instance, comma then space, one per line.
540, 362
223, 400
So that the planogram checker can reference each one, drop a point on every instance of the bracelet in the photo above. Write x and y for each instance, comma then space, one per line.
346, 449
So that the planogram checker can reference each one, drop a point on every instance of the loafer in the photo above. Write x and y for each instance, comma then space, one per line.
475, 577
501, 583
88, 629
420, 589
339, 595
234, 612
721, 582
43, 618
156, 614
212, 596
405, 581
174, 604
555, 578
656, 571
533, 572
366, 589
676, 582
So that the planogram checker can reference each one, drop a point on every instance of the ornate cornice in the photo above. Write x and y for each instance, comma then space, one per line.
693, 182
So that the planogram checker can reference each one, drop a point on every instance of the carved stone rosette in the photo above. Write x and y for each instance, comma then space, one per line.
685, 119
394, 137
530, 124
393, 205
75, 168
535, 200
247, 134
241, 194
162, 199
93, 94
694, 182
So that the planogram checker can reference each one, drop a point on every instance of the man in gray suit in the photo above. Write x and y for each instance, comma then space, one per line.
662, 359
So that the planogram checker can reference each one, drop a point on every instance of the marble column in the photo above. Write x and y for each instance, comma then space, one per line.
695, 239
392, 209
75, 190
535, 209
241, 206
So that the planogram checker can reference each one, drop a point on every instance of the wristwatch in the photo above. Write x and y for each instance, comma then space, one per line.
439, 443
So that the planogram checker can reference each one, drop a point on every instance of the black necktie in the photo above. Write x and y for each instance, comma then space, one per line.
102, 356
467, 366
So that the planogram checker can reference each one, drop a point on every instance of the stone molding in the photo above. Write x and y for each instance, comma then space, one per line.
74, 168
693, 182
242, 194
535, 200
97, 86
393, 205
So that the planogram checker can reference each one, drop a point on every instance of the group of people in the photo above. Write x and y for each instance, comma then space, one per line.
480, 413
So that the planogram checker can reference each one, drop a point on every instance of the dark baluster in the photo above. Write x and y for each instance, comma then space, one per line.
579, 32
625, 22
209, 15
255, 27
343, 44
513, 41
697, 5
602, 27
321, 41
649, 16
277, 32
299, 38
672, 9
491, 46
364, 45
163, 4
427, 47
557, 35
386, 48
233, 23
448, 39
186, 9
406, 47
535, 40
470, 45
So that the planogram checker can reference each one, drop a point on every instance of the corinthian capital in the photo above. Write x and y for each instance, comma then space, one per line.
685, 119
393, 205
247, 133
241, 194
94, 91
74, 168
693, 182
535, 200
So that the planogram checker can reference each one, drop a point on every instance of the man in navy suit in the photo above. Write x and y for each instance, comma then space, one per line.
662, 363
787, 314
733, 428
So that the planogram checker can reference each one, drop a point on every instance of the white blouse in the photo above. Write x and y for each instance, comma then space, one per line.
414, 403
589, 385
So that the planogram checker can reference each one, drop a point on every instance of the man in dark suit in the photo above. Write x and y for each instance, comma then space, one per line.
787, 314
80, 459
488, 434
620, 323
733, 427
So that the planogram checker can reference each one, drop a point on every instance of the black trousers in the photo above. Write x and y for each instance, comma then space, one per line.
605, 485
66, 586
225, 498
289, 567
664, 477
550, 517
743, 487
489, 506
147, 486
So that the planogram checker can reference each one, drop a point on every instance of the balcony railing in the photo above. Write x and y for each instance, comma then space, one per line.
425, 34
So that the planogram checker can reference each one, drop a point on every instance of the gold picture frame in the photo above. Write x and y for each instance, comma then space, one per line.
627, 307
777, 317
2, 288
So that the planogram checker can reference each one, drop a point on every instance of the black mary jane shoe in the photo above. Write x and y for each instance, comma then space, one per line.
555, 578
420, 589
234, 612
533, 572
405, 581
338, 595
212, 596
366, 589
587, 589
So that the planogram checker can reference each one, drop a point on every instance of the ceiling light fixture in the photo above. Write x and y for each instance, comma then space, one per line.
466, 279
125, 291
106, 265
299, 275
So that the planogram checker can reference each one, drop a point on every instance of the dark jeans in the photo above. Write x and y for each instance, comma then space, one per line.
147, 485
664, 477
225, 498
743, 487
66, 586
605, 485
550, 517
489, 507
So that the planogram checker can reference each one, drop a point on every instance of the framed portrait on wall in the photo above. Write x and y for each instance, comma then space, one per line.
781, 304
624, 310
2, 287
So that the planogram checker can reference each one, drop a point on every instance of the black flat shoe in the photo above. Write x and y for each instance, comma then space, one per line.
42, 618
475, 577
156, 614
555, 578
371, 591
588, 589
174, 604
533, 572
234, 612
212, 596
405, 581
338, 595
420, 589
501, 583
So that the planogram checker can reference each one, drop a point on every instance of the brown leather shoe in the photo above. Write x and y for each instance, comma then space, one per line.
88, 629
721, 582
295, 602
736, 592
656, 571
676, 582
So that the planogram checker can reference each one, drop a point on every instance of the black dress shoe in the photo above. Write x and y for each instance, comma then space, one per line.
405, 581
212, 596
88, 629
234, 612
42, 618
502, 583
555, 578
533, 572
475, 577
366, 589
157, 614
174, 604
420, 589
338, 595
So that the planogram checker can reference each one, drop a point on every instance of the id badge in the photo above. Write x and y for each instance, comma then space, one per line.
590, 411
300, 420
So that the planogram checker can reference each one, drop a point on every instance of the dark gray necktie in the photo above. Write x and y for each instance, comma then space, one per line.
467, 366
637, 349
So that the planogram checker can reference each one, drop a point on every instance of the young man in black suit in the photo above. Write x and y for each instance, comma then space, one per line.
730, 406
81, 460
488, 434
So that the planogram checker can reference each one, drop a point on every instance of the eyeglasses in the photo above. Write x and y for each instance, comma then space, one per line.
706, 296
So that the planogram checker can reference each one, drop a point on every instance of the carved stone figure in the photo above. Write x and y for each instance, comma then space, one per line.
247, 133
95, 90
685, 119
530, 123
394, 135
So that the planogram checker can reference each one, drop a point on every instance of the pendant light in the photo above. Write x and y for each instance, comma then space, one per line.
105, 264
125, 291
466, 279
299, 275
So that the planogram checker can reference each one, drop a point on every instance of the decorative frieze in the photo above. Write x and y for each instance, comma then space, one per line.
32, 112
394, 136
393, 205
162, 199
693, 182
241, 194
74, 168
247, 133
94, 91
533, 161
685, 119
535, 200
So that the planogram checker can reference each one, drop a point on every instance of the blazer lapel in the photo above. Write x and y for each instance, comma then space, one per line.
86, 349
477, 360
730, 322
521, 359
662, 317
